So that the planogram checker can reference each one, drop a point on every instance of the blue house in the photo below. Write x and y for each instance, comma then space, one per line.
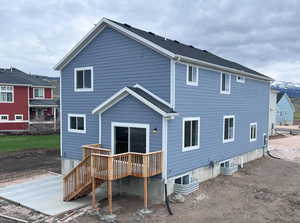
285, 110
151, 113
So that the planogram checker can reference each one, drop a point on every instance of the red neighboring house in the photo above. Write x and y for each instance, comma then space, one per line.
25, 100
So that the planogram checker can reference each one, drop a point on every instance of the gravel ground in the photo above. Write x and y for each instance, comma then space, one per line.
287, 147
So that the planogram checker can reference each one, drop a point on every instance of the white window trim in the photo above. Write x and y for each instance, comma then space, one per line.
19, 115
76, 130
253, 124
186, 149
221, 91
187, 75
92, 79
233, 137
33, 94
13, 94
129, 125
240, 80
4, 120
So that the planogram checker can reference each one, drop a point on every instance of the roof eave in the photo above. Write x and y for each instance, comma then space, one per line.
221, 68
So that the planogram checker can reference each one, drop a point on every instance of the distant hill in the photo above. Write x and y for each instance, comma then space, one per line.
292, 89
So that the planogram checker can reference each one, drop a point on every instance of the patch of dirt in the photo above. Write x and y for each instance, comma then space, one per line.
27, 163
287, 148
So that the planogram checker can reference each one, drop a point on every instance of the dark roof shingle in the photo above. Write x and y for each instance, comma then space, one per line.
43, 102
16, 76
188, 50
152, 100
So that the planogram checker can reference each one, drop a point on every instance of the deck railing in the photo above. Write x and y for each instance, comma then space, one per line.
112, 167
77, 178
94, 148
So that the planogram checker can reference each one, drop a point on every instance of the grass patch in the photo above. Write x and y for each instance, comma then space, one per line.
22, 142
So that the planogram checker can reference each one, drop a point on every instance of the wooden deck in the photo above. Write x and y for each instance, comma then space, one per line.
99, 165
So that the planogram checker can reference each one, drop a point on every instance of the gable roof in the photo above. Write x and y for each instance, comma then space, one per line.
15, 76
281, 95
167, 47
145, 96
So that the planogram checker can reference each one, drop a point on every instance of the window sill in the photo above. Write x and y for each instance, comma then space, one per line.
252, 140
77, 131
83, 89
228, 140
192, 84
225, 92
191, 148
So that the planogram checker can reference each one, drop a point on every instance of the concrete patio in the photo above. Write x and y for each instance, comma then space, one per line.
43, 194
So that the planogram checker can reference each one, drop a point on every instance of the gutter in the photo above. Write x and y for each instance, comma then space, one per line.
219, 67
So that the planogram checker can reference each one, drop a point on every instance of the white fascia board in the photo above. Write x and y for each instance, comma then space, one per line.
123, 93
152, 94
221, 68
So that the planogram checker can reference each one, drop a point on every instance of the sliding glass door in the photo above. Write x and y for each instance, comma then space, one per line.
130, 139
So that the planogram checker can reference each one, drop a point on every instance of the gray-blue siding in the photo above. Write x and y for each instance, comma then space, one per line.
118, 61
248, 102
131, 110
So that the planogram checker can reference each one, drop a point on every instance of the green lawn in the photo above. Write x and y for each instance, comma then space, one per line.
15, 143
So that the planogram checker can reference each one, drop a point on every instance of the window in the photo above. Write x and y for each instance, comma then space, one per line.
19, 117
225, 83
240, 79
77, 123
38, 93
3, 118
6, 94
83, 79
191, 134
192, 75
186, 179
228, 126
253, 131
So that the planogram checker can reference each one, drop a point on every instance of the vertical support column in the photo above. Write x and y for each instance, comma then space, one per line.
109, 183
54, 117
129, 165
93, 183
145, 193
109, 196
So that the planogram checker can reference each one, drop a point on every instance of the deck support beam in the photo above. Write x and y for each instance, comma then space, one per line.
94, 193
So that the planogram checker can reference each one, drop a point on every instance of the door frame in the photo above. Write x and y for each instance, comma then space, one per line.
132, 125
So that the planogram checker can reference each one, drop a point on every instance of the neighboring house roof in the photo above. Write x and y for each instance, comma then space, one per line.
168, 47
15, 76
281, 95
43, 102
143, 95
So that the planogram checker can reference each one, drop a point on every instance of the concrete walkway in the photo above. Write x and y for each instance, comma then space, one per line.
43, 194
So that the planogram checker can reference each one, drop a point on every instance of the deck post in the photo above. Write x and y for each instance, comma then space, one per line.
145, 193
93, 183
109, 196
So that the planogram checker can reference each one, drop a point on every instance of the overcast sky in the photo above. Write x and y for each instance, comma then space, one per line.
35, 34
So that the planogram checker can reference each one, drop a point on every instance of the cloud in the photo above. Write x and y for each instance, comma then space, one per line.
263, 35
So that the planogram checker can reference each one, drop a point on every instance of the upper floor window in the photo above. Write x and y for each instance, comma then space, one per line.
253, 131
6, 94
191, 133
77, 123
3, 118
228, 129
192, 75
240, 79
38, 93
83, 79
225, 83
